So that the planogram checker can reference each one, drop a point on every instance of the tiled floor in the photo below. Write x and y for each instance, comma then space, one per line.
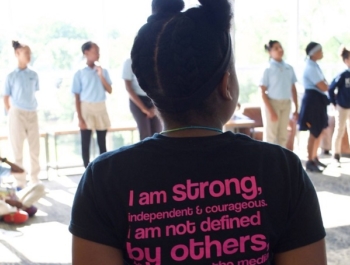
46, 240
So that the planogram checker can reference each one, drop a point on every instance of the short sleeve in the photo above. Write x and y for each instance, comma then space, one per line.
265, 79
305, 225
4, 171
315, 75
90, 219
107, 77
294, 77
76, 86
127, 70
7, 87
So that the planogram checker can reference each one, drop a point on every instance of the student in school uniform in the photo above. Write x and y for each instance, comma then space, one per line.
21, 105
90, 86
141, 106
197, 195
278, 90
313, 114
341, 101
16, 207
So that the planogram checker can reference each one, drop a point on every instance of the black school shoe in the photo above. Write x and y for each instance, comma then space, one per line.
337, 157
327, 153
313, 167
336, 160
318, 163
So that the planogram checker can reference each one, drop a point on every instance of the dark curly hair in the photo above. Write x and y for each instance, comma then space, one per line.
268, 47
179, 58
16, 45
87, 46
311, 46
344, 53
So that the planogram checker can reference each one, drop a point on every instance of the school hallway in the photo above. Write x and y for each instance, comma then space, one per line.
45, 238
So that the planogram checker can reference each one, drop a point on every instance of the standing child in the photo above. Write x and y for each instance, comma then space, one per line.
341, 101
21, 86
278, 88
313, 113
141, 105
90, 85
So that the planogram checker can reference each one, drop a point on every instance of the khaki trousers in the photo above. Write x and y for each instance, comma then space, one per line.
28, 196
24, 125
342, 120
277, 132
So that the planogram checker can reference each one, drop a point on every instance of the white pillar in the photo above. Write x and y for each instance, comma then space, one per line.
294, 29
103, 34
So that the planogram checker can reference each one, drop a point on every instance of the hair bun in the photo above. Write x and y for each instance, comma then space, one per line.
167, 6
15, 44
266, 47
342, 50
219, 12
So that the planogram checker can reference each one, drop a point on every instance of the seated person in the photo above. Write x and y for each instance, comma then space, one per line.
16, 206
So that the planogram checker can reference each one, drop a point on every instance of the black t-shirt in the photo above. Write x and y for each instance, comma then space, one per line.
222, 200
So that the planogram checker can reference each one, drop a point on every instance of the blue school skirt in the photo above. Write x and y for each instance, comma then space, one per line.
313, 115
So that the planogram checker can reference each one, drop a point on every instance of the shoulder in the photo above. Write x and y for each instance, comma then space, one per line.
269, 152
340, 76
79, 71
32, 73
344, 74
268, 66
120, 156
288, 66
262, 146
11, 74
310, 67
267, 69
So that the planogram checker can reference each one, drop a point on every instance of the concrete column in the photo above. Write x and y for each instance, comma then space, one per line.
294, 29
102, 34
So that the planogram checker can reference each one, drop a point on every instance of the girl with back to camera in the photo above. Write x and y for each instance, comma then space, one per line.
313, 114
278, 88
198, 195
341, 101
90, 85
20, 102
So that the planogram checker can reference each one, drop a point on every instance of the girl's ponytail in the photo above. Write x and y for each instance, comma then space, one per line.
268, 47
16, 45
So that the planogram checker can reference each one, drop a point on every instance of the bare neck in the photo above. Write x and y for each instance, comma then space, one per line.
207, 129
22, 66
